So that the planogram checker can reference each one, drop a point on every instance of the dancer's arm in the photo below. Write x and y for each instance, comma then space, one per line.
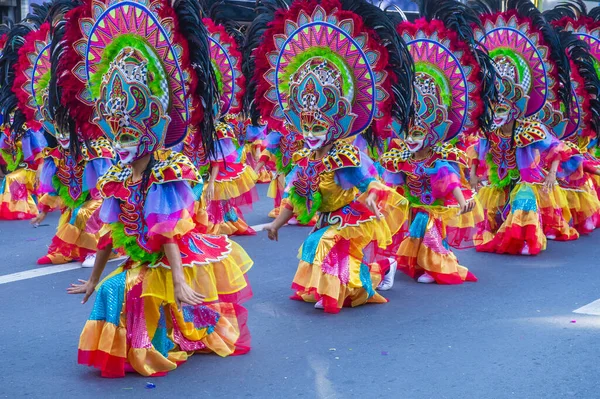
550, 179
184, 294
210, 188
88, 287
473, 179
285, 214
465, 206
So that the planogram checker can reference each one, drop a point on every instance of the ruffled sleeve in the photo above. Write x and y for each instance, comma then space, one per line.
445, 177
226, 151
168, 210
109, 210
531, 159
47, 173
360, 176
94, 169
33, 143
254, 133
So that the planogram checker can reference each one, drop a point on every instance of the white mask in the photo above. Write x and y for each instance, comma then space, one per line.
126, 154
314, 142
414, 144
64, 143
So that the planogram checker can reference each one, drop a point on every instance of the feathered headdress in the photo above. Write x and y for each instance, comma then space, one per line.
338, 66
532, 65
14, 41
582, 40
454, 79
140, 68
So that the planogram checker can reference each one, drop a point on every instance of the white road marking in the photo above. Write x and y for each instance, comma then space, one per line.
40, 271
46, 270
592, 308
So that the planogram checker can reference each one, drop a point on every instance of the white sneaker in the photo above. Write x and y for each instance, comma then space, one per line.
388, 280
426, 279
319, 305
89, 261
293, 221
590, 225
550, 237
525, 250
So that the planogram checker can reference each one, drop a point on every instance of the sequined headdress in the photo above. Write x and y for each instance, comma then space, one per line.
454, 80
580, 34
531, 63
134, 74
331, 66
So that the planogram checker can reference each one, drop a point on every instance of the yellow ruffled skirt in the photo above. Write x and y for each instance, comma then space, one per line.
136, 326
77, 235
338, 260
16, 195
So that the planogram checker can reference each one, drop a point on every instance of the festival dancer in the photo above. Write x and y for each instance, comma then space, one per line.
180, 291
327, 92
20, 146
70, 171
519, 157
576, 176
231, 186
455, 89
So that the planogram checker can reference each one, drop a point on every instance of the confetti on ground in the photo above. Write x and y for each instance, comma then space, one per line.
150, 385
384, 353
573, 321
332, 349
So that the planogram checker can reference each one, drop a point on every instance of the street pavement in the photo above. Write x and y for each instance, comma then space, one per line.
513, 334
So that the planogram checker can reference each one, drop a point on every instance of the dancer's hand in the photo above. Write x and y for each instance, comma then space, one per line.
184, 294
39, 218
273, 232
86, 287
371, 203
474, 182
467, 207
210, 191
550, 180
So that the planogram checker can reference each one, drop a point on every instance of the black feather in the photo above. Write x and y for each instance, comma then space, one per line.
527, 9
573, 9
595, 13
483, 7
189, 14
400, 60
10, 55
462, 19
58, 112
579, 54
265, 12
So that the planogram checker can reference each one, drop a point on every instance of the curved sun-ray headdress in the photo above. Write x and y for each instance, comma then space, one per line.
15, 39
532, 65
454, 79
582, 40
139, 68
334, 64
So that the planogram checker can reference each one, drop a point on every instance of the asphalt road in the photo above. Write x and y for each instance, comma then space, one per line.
513, 334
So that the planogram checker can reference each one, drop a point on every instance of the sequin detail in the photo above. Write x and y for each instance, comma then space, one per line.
365, 279
309, 248
137, 330
109, 300
337, 262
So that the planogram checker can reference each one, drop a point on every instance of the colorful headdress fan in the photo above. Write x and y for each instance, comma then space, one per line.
227, 62
531, 64
133, 71
323, 67
33, 77
453, 82
582, 39
9, 68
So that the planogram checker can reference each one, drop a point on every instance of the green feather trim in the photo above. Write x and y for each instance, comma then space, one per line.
512, 174
279, 163
299, 203
514, 57
42, 84
440, 80
12, 164
314, 52
597, 67
130, 245
597, 152
111, 51
63, 193
219, 77
416, 200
